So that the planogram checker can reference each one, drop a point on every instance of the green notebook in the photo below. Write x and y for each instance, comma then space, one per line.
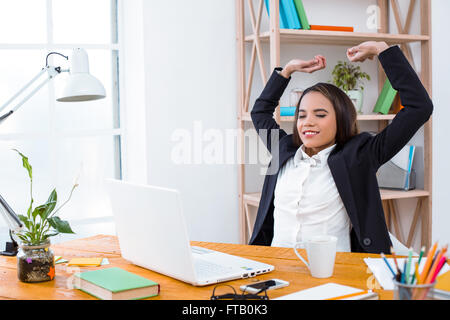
115, 284
302, 14
385, 98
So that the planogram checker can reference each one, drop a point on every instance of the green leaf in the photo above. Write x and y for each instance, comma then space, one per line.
60, 225
48, 235
22, 237
44, 210
38, 211
26, 164
25, 220
29, 209
49, 205
51, 202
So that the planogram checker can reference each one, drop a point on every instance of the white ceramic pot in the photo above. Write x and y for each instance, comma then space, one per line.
357, 97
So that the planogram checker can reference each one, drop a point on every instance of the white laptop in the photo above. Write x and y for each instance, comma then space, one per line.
152, 234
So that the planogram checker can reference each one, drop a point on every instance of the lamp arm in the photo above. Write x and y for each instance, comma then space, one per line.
15, 226
52, 72
23, 89
10, 216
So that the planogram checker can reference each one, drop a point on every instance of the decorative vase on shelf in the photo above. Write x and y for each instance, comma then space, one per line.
357, 97
348, 78
35, 263
294, 96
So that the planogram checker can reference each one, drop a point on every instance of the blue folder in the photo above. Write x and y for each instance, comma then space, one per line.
283, 18
291, 14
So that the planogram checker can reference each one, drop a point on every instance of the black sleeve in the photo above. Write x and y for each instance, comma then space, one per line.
264, 107
416, 112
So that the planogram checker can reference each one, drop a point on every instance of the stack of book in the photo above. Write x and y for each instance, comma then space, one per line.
293, 16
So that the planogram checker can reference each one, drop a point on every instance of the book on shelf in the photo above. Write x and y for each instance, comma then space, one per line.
115, 284
331, 291
330, 28
396, 105
287, 111
282, 16
302, 14
291, 14
385, 99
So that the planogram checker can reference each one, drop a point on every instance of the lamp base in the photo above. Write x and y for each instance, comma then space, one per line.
11, 249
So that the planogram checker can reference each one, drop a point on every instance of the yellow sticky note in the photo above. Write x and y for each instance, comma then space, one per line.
87, 262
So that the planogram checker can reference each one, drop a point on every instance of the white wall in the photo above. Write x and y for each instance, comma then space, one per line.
189, 66
441, 114
132, 91
190, 76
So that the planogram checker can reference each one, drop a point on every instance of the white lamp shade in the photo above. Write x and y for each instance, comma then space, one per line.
81, 85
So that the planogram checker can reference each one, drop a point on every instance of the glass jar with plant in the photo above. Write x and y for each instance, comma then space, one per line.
347, 77
35, 260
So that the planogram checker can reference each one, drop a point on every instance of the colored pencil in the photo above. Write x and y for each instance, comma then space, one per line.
436, 262
416, 274
404, 273
438, 269
426, 267
387, 263
395, 260
433, 278
408, 266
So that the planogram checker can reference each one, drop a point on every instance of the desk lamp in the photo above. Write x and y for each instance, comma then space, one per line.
80, 86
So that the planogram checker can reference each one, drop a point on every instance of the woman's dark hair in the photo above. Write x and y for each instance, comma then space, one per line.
346, 122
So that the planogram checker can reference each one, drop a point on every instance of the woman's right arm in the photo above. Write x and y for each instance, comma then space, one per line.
264, 107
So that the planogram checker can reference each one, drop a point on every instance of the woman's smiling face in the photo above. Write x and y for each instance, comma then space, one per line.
316, 115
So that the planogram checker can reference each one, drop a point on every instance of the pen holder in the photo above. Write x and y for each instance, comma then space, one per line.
403, 291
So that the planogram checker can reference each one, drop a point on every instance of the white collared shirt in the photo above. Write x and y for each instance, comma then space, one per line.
307, 202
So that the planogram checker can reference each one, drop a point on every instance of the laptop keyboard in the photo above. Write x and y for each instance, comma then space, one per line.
206, 269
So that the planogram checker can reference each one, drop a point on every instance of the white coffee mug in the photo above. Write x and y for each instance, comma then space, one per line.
321, 251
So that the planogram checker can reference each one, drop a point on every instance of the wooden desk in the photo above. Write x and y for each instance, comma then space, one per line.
350, 269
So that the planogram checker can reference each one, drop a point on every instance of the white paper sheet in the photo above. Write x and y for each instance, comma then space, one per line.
384, 276
322, 292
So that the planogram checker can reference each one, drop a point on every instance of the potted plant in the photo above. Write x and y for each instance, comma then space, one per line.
35, 260
347, 77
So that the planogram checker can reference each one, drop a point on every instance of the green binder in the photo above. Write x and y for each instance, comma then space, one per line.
385, 98
302, 14
116, 280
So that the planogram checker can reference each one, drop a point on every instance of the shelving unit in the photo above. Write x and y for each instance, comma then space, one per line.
276, 37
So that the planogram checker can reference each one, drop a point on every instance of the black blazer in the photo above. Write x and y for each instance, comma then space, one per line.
352, 165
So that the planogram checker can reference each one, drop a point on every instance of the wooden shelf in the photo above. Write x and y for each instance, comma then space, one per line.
253, 199
337, 37
387, 194
362, 117
274, 38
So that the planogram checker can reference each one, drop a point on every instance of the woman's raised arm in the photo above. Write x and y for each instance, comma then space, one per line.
418, 106
264, 107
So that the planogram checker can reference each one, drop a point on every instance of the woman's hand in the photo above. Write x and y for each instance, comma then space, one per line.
368, 49
319, 62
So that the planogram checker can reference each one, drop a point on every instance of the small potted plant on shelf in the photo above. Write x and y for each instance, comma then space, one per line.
347, 77
35, 259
